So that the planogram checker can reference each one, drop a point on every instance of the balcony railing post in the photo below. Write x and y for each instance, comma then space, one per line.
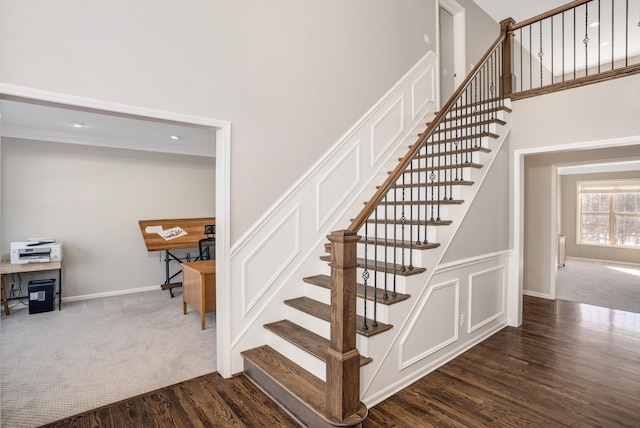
343, 362
508, 78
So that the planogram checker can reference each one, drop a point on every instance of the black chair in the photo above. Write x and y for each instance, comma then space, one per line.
207, 246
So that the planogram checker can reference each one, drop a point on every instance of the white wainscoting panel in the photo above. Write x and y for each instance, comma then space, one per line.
270, 258
423, 91
387, 129
486, 296
460, 293
434, 326
268, 262
338, 183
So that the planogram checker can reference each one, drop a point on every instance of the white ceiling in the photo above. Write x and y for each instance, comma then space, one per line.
37, 121
519, 10
46, 122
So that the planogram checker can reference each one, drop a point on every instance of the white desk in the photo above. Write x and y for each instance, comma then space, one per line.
7, 268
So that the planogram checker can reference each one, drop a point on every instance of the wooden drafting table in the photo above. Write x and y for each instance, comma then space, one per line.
7, 268
154, 242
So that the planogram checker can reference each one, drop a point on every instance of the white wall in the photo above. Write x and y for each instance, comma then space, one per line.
91, 198
481, 30
485, 228
291, 76
603, 115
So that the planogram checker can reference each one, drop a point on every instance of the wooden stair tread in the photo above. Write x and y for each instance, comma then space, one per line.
427, 202
292, 387
435, 183
412, 222
466, 137
401, 244
458, 127
323, 312
477, 113
384, 267
306, 340
481, 149
443, 167
324, 281
494, 102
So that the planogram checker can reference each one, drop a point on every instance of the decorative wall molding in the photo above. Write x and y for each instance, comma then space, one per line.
423, 91
345, 171
486, 297
441, 301
325, 198
396, 366
387, 129
270, 258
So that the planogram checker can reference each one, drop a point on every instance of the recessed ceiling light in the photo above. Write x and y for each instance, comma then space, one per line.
77, 124
175, 137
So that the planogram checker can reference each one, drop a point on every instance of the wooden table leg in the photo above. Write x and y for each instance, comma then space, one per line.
4, 297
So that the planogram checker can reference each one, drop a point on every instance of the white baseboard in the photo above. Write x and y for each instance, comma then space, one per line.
608, 262
110, 293
537, 294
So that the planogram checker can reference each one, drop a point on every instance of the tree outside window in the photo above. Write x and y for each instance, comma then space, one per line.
609, 213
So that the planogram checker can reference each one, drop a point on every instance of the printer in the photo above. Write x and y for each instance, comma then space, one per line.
36, 251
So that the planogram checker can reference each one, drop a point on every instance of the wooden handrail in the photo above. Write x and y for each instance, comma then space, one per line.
549, 14
370, 206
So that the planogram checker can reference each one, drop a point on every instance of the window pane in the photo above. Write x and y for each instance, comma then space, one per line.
630, 203
619, 202
595, 228
627, 230
584, 202
596, 202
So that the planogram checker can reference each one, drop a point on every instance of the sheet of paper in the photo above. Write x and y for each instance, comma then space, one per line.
153, 229
173, 233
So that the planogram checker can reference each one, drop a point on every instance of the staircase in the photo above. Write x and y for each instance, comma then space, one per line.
402, 232
389, 252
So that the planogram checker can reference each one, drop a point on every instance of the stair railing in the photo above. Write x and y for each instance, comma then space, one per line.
414, 193
411, 195
582, 42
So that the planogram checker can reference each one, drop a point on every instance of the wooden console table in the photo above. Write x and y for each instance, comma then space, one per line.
154, 242
199, 287
7, 268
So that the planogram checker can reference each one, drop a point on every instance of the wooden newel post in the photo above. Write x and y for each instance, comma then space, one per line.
343, 363
508, 78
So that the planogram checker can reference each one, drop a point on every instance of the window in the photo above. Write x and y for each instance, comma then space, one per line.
609, 213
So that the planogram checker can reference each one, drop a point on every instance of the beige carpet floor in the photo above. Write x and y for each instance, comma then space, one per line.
95, 352
601, 284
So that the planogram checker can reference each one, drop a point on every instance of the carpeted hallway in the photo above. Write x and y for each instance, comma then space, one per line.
601, 284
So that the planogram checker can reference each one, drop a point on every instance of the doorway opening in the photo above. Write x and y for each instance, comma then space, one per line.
220, 147
452, 50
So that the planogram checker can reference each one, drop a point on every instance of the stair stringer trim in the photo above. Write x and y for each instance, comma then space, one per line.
369, 373
266, 299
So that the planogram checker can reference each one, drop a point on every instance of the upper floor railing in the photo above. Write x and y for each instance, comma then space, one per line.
581, 42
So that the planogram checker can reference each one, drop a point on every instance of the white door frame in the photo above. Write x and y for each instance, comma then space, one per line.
515, 287
223, 146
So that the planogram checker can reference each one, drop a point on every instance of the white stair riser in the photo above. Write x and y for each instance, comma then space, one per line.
299, 356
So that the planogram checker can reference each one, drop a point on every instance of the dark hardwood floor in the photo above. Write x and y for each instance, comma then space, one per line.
568, 365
